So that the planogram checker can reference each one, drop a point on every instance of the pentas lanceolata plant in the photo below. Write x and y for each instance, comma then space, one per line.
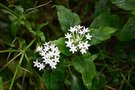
77, 40
70, 53
65, 55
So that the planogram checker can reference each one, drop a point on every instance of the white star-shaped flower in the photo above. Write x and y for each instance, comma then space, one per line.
73, 29
73, 48
88, 36
85, 30
41, 66
83, 51
39, 49
86, 45
36, 63
69, 43
68, 35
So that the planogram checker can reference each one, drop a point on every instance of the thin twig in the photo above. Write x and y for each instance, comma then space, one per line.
38, 6
109, 87
11, 61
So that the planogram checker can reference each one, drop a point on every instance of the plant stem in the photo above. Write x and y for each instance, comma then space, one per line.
5, 51
17, 68
30, 44
11, 61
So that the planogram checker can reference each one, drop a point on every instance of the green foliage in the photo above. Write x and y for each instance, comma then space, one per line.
128, 30
75, 84
105, 19
86, 67
62, 46
107, 65
53, 79
125, 4
101, 34
67, 18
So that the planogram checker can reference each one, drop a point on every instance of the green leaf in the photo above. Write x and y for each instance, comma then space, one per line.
86, 67
14, 28
125, 4
1, 85
101, 6
105, 19
62, 46
53, 78
67, 18
93, 57
101, 34
19, 10
41, 35
128, 31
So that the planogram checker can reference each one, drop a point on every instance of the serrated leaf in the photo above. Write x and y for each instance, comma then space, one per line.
86, 67
105, 19
128, 31
67, 18
1, 85
62, 46
101, 6
101, 34
125, 4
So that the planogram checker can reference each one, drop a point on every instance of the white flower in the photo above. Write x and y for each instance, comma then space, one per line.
77, 39
73, 48
50, 55
69, 43
41, 66
68, 35
39, 49
36, 63
88, 36
73, 29
83, 51
80, 45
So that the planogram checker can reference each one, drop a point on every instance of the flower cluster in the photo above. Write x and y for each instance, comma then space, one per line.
77, 39
50, 55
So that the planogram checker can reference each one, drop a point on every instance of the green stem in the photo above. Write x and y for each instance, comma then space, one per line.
17, 68
30, 44
11, 61
5, 51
